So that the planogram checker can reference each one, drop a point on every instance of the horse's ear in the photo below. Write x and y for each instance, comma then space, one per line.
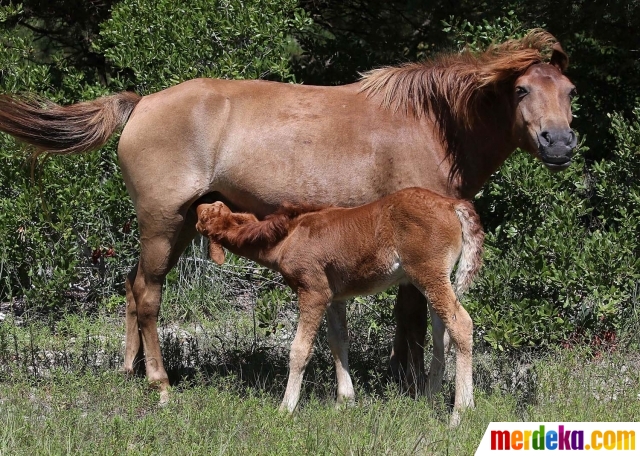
216, 252
559, 58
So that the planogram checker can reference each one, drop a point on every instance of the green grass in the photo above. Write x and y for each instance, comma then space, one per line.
60, 393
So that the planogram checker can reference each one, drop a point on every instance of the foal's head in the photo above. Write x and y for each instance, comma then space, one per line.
217, 222
542, 97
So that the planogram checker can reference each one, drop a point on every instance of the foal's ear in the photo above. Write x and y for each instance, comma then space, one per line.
559, 58
216, 252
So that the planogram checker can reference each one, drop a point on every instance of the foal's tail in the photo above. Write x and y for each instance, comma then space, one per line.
56, 129
472, 246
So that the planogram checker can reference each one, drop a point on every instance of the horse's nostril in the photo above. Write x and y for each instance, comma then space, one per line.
546, 138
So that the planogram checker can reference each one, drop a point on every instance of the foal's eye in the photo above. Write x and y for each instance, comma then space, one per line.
573, 93
521, 91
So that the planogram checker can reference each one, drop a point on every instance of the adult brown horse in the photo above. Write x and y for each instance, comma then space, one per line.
445, 125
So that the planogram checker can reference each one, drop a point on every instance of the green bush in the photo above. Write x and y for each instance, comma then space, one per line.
561, 259
562, 250
166, 42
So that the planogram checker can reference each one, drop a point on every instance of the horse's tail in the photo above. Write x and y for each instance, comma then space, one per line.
56, 129
472, 246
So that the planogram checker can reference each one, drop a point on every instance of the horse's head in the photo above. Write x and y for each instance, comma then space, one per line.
543, 112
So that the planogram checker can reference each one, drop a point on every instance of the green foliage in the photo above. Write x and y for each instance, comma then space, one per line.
562, 258
479, 36
61, 394
269, 307
562, 249
164, 42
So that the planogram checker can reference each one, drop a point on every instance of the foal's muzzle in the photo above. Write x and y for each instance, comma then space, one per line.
555, 147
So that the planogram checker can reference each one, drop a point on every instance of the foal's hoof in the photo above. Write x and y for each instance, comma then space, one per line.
285, 409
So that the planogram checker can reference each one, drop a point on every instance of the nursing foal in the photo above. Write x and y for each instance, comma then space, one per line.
329, 254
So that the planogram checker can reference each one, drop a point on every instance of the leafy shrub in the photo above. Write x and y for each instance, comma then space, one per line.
561, 249
164, 42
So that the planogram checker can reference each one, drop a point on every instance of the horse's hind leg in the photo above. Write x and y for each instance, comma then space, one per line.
338, 336
162, 242
441, 342
133, 337
133, 340
407, 357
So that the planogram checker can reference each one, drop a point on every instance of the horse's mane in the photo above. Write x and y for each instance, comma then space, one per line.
455, 79
453, 87
273, 228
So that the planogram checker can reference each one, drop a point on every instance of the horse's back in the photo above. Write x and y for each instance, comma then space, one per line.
260, 143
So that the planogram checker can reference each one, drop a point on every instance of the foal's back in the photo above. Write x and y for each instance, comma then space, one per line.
362, 250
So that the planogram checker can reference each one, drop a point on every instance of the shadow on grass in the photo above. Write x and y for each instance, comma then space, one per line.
264, 367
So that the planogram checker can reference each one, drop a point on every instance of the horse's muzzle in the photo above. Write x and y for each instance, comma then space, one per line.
556, 148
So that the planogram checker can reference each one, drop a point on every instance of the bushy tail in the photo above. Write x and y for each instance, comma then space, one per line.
472, 246
56, 129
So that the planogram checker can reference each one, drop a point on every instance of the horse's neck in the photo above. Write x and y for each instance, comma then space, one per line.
263, 255
266, 254
486, 146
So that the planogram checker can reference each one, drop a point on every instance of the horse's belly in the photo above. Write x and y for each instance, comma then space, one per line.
369, 278
261, 179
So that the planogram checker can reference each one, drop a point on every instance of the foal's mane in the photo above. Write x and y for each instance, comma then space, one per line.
273, 228
456, 80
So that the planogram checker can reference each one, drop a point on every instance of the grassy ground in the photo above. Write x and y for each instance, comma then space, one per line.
60, 393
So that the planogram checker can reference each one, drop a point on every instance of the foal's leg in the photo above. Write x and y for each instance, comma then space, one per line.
460, 327
407, 357
162, 243
441, 342
312, 308
338, 336
457, 321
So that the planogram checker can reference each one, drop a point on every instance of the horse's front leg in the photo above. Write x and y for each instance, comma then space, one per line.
312, 309
338, 336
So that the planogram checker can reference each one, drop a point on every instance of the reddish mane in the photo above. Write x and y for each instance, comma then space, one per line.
272, 229
455, 88
455, 80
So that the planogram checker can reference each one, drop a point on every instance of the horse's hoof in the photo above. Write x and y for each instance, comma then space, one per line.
164, 398
128, 373
345, 403
456, 417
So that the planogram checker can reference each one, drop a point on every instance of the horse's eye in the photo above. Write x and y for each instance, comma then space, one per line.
521, 91
573, 93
